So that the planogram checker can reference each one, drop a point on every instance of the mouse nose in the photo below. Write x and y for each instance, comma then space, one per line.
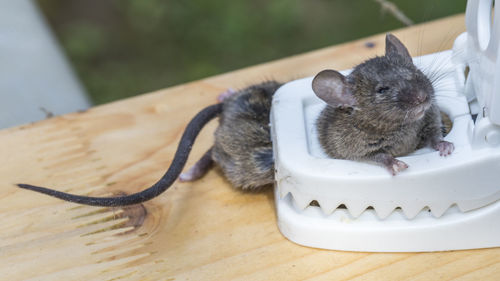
421, 96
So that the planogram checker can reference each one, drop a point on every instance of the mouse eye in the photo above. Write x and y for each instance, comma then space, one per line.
382, 90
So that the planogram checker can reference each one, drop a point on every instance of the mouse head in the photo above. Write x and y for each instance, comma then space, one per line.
389, 88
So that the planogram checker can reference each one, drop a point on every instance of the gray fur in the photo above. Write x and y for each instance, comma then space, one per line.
384, 123
242, 146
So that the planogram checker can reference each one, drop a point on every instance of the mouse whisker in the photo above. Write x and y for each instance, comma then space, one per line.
442, 61
406, 116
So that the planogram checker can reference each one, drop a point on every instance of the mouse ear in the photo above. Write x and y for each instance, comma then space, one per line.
331, 86
394, 47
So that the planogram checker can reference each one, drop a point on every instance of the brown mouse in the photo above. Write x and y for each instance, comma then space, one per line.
383, 109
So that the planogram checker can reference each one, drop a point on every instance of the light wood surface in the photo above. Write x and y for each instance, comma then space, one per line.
203, 230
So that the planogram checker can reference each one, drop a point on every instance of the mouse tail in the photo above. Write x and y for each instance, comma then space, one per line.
186, 143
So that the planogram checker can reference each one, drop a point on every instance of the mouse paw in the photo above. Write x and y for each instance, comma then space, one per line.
395, 166
188, 176
194, 173
229, 92
199, 169
445, 148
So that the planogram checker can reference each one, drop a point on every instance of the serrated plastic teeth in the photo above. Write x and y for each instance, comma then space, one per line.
356, 209
438, 210
283, 192
384, 209
301, 201
411, 210
328, 206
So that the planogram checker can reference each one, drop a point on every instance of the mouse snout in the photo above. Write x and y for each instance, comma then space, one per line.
420, 97
413, 97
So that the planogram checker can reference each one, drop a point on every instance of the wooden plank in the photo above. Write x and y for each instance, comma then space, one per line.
195, 231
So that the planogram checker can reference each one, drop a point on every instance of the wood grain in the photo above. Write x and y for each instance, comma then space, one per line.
195, 231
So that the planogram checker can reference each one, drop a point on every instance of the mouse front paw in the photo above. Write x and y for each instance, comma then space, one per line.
395, 166
445, 148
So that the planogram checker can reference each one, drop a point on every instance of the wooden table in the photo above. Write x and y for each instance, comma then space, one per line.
203, 230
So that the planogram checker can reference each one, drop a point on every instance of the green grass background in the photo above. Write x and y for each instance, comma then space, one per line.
121, 48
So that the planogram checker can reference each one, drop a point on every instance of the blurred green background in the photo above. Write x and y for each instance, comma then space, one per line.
121, 48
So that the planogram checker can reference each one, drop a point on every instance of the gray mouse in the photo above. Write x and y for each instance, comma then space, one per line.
385, 108
242, 144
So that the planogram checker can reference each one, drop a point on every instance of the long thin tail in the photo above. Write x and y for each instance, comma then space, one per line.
180, 158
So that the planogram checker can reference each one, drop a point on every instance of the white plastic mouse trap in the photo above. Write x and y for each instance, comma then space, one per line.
438, 203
